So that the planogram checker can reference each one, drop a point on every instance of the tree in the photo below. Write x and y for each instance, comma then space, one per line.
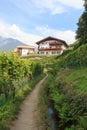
82, 26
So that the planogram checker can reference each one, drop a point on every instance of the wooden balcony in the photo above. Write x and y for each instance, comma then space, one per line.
49, 49
55, 43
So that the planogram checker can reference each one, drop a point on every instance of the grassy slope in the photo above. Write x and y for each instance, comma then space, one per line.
76, 78
68, 89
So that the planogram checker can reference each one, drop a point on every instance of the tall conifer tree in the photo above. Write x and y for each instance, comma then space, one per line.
82, 26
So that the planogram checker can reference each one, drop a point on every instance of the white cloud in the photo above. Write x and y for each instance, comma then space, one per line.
58, 6
68, 35
78, 4
14, 31
52, 6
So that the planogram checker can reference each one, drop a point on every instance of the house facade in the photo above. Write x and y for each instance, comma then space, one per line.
51, 46
24, 50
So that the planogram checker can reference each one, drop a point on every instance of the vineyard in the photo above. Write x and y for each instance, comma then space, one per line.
17, 78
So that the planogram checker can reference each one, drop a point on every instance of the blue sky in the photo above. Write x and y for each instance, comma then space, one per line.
32, 20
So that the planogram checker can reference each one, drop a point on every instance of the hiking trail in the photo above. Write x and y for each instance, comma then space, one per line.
28, 116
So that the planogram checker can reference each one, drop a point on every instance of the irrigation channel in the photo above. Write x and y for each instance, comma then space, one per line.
50, 113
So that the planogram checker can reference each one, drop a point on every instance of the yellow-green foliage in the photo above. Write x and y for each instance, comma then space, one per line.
15, 82
14, 70
75, 58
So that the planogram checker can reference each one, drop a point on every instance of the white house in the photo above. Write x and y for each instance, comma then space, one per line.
51, 46
24, 50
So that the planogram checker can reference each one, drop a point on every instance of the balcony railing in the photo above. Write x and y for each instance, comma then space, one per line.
48, 49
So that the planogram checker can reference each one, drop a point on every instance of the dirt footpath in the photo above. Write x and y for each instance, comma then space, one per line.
28, 116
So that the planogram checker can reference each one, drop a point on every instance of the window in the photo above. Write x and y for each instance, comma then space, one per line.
46, 52
58, 52
42, 52
53, 52
59, 46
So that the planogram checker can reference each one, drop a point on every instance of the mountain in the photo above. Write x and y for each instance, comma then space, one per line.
8, 44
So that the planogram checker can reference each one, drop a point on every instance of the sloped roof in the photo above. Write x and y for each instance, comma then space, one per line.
51, 38
25, 47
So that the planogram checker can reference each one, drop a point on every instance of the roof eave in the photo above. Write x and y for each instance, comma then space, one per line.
48, 38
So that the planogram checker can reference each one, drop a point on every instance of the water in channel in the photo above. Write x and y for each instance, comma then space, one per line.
51, 120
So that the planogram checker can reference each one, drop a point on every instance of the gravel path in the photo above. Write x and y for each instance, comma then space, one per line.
28, 116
